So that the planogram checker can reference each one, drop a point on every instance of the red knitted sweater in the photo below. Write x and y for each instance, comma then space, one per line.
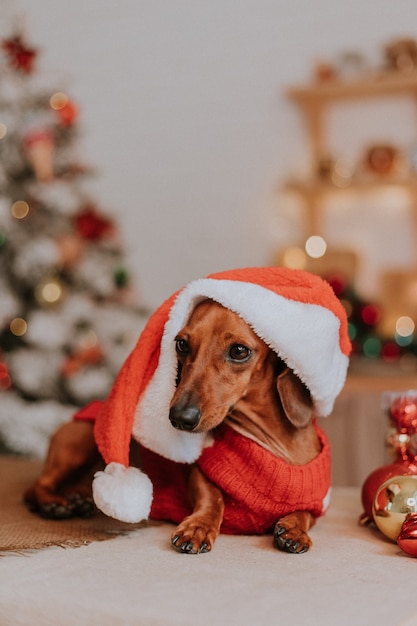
258, 487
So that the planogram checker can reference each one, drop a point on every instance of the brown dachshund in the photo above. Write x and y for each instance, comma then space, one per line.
226, 374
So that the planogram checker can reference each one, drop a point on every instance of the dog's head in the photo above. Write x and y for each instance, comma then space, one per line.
222, 363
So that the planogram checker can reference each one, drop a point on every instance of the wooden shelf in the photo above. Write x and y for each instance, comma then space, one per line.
384, 84
377, 376
314, 100
316, 186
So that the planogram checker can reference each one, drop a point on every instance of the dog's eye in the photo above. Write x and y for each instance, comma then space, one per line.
238, 352
182, 347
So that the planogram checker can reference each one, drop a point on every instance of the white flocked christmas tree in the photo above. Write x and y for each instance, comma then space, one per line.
68, 315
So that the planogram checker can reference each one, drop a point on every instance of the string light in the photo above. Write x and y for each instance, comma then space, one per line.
404, 330
58, 100
315, 246
49, 291
294, 258
372, 347
20, 209
18, 327
405, 326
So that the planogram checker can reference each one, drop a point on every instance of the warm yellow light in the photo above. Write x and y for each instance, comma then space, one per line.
3, 130
20, 209
18, 326
51, 292
58, 100
294, 258
404, 326
315, 246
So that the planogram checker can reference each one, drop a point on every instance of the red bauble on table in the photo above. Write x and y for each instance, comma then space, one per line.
407, 539
375, 480
399, 524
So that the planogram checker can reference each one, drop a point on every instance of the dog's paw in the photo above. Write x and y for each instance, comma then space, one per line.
73, 506
193, 536
293, 540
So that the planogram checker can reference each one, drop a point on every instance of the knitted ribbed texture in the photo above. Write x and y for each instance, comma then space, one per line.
257, 486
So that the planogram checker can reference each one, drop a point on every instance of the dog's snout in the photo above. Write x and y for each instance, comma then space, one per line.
184, 418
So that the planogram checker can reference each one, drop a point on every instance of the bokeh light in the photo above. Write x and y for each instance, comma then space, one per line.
294, 258
58, 100
372, 347
3, 130
405, 326
315, 246
18, 326
20, 209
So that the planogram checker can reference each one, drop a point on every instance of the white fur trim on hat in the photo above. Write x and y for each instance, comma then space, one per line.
304, 335
123, 493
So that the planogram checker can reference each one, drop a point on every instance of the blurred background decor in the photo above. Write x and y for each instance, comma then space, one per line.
68, 313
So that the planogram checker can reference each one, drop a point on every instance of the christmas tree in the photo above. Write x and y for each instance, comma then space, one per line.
67, 315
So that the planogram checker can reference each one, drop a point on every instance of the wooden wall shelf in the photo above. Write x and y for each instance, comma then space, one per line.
314, 101
381, 85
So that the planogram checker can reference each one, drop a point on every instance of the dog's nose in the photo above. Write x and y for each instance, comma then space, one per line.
185, 418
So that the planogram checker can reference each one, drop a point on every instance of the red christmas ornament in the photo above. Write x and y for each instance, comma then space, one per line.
377, 478
403, 412
5, 379
91, 225
402, 439
20, 57
67, 113
407, 539
90, 355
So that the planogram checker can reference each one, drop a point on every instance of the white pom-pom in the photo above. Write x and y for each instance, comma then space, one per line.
124, 493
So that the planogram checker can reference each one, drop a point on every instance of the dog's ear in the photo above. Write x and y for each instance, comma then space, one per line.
295, 399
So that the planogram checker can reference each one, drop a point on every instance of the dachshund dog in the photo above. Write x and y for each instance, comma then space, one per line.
226, 374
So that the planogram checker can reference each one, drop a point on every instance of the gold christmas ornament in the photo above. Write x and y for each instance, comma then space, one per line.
395, 499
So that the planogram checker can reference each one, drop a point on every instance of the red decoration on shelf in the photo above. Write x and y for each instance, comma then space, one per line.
20, 57
91, 225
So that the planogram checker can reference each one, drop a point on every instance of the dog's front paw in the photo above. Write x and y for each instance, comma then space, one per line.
57, 507
193, 536
293, 540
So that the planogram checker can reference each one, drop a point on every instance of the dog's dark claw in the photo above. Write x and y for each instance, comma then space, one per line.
77, 507
204, 548
186, 546
55, 511
81, 507
287, 545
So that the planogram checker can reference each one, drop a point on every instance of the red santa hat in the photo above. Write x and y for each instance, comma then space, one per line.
296, 313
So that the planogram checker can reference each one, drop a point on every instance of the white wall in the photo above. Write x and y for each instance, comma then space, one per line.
184, 114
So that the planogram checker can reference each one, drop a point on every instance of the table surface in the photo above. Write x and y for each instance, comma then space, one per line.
351, 576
